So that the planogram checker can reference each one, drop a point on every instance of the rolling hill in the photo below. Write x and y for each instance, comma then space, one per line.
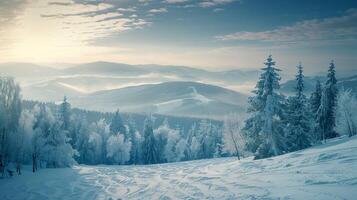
174, 98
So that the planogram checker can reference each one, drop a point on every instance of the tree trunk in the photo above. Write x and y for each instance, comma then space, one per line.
34, 164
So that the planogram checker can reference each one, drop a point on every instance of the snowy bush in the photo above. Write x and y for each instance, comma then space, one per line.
118, 150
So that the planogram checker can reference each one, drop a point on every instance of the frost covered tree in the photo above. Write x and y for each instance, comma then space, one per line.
117, 125
264, 126
22, 139
64, 114
206, 135
135, 139
331, 94
170, 142
193, 144
233, 137
118, 150
298, 117
82, 134
100, 128
161, 137
346, 116
315, 98
118, 144
149, 145
326, 117
55, 148
315, 102
10, 111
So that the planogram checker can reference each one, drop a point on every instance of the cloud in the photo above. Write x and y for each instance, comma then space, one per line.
218, 10
212, 3
49, 31
158, 10
127, 9
328, 29
200, 4
175, 1
9, 10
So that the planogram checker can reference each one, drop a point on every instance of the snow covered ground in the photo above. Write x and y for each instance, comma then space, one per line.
327, 171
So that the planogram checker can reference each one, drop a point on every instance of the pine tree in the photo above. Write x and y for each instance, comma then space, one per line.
326, 115
264, 127
315, 99
298, 117
315, 102
135, 142
331, 92
56, 150
64, 114
149, 148
117, 125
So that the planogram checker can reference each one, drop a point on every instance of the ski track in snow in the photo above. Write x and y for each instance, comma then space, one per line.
327, 171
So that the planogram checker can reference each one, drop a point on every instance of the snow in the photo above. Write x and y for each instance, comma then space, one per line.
326, 171
176, 103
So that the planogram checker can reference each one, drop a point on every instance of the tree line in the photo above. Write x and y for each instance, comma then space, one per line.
277, 124
47, 136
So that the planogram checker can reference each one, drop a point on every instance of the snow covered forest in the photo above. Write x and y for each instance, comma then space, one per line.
53, 136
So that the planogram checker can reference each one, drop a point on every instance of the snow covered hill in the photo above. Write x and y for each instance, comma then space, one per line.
325, 172
172, 98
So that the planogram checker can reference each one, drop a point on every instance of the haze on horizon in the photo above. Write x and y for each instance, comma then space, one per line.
210, 34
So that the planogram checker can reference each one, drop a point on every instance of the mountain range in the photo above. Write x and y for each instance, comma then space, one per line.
169, 90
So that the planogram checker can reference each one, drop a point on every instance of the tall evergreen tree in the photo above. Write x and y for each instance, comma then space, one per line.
117, 125
315, 102
264, 126
331, 92
315, 98
149, 147
64, 114
298, 117
135, 142
327, 111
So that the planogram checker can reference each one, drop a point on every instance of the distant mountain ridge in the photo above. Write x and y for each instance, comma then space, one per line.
172, 98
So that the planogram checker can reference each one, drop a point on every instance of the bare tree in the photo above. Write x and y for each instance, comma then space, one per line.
233, 138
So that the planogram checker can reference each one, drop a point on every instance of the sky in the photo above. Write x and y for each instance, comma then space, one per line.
210, 34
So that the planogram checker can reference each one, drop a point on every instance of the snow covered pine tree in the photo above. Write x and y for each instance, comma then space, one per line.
298, 117
264, 126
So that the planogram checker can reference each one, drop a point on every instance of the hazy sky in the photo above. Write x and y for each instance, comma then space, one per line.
213, 34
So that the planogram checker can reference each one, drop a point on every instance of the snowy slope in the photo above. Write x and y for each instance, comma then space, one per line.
323, 172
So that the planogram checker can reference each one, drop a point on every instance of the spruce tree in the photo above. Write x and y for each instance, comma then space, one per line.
326, 115
150, 154
315, 99
117, 125
64, 114
298, 117
135, 142
315, 102
264, 127
331, 94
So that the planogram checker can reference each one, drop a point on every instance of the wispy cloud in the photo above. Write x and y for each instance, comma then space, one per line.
132, 9
48, 30
212, 3
200, 3
328, 29
158, 10
175, 1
